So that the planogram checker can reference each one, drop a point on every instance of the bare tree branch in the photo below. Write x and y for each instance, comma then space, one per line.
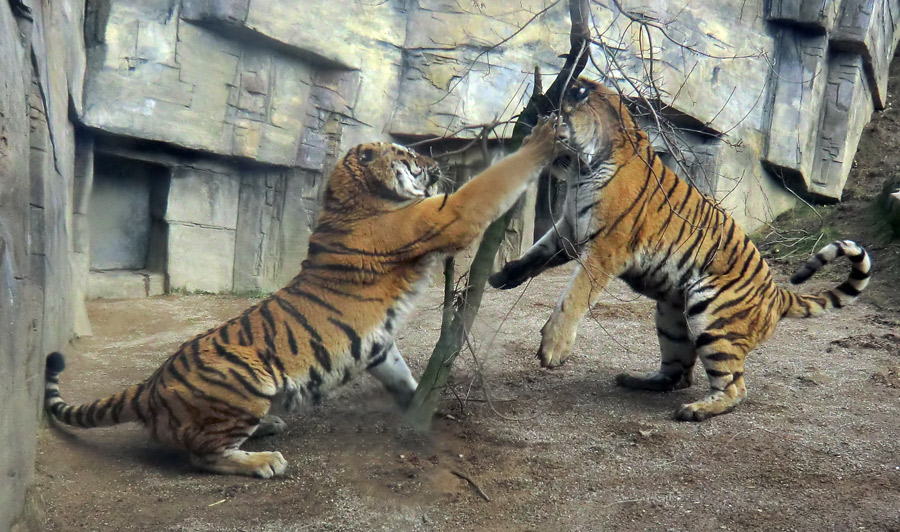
450, 342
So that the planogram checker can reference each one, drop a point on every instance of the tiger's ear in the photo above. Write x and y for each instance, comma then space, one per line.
366, 156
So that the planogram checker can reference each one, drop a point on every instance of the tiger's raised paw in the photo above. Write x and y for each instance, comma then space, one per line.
545, 137
510, 276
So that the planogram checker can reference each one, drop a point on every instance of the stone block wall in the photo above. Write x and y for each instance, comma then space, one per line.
41, 61
830, 73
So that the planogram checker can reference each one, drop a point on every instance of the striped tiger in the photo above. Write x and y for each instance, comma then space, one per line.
627, 215
380, 232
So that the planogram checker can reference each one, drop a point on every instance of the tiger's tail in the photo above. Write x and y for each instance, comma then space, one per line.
118, 408
803, 306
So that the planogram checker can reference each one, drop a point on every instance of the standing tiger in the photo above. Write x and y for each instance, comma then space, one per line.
380, 231
627, 215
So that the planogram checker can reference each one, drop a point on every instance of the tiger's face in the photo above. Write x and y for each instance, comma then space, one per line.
596, 118
390, 171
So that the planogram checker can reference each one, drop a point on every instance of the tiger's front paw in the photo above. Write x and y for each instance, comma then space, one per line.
555, 347
545, 137
511, 276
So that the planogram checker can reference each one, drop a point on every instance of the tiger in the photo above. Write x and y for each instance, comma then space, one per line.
382, 229
628, 215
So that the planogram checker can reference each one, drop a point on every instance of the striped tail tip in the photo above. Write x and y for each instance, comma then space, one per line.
55, 365
855, 283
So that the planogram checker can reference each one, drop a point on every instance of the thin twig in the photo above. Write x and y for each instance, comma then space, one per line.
468, 479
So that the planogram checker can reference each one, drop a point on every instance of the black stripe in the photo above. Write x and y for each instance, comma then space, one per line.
321, 354
859, 275
298, 317
201, 366
355, 341
292, 342
705, 339
350, 295
725, 320
856, 259
717, 373
89, 414
221, 384
315, 382
246, 384
377, 360
721, 357
223, 333
314, 298
631, 207
267, 315
135, 404
226, 354
700, 306
848, 289
247, 327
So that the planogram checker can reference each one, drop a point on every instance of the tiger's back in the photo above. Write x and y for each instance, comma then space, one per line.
627, 215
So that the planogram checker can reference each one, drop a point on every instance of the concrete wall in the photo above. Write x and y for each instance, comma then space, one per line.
42, 64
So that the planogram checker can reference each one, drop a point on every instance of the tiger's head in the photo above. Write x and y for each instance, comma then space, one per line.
597, 120
381, 171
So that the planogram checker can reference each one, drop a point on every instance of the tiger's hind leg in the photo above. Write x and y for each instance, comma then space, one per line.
215, 448
721, 347
678, 356
235, 400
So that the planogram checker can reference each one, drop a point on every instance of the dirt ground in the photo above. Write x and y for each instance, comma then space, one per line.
816, 446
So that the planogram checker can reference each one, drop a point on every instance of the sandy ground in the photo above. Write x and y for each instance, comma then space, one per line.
816, 446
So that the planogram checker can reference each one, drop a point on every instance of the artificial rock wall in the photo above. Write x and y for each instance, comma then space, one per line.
42, 63
248, 103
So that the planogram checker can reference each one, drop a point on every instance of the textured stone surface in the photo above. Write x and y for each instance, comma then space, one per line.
201, 216
125, 284
200, 259
203, 197
275, 216
246, 78
809, 14
869, 28
797, 88
847, 108
39, 61
154, 78
120, 226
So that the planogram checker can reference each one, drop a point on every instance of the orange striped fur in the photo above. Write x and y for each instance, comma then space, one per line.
629, 216
380, 231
